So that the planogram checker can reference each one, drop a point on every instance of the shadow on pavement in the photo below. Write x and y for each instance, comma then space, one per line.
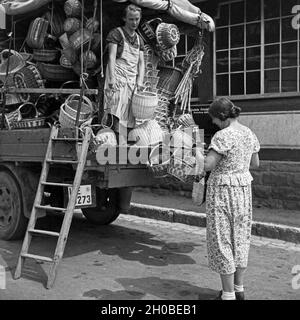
162, 289
113, 240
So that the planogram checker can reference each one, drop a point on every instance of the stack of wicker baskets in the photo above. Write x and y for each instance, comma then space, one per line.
151, 78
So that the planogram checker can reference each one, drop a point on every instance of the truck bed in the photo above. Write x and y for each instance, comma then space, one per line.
29, 146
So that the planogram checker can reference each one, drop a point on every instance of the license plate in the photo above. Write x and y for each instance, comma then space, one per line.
84, 196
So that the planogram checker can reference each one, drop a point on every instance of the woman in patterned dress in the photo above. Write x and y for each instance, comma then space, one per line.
232, 151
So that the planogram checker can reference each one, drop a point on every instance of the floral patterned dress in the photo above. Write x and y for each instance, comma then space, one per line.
229, 200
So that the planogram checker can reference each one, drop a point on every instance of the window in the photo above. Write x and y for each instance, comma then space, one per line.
256, 48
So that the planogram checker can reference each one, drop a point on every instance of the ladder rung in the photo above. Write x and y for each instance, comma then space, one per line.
63, 161
56, 184
36, 257
50, 208
67, 139
44, 232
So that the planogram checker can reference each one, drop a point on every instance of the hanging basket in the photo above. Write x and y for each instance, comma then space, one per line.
169, 79
159, 161
72, 8
167, 35
71, 25
182, 169
144, 104
80, 39
37, 33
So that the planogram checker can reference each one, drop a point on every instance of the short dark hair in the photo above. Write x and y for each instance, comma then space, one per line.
131, 7
222, 108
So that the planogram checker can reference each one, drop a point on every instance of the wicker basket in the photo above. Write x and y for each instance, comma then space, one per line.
148, 28
54, 72
30, 123
71, 25
45, 55
182, 169
65, 120
159, 162
80, 38
144, 104
71, 106
72, 8
25, 110
167, 35
169, 79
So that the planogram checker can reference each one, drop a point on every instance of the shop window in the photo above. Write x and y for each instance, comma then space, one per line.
257, 52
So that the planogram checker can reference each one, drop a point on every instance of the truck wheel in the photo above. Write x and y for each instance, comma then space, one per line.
12, 221
106, 210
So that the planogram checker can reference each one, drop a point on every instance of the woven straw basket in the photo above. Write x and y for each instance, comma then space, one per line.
144, 104
72, 103
65, 120
159, 161
167, 35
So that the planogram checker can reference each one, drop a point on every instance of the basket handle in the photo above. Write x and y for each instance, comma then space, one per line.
85, 98
24, 104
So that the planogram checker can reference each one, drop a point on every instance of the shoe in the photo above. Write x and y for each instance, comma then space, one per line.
240, 296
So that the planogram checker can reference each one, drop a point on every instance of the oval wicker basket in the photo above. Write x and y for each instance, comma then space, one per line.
30, 123
53, 72
143, 104
45, 55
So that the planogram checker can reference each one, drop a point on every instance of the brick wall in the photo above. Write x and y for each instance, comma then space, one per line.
275, 185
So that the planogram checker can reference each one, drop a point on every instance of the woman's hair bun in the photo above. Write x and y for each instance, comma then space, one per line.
222, 108
235, 111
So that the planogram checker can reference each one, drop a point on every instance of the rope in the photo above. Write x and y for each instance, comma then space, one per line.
101, 33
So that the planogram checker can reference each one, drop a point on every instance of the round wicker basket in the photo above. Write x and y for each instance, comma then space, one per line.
72, 8
72, 103
144, 104
65, 120
167, 35
71, 25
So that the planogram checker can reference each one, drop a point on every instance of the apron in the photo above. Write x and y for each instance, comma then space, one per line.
126, 70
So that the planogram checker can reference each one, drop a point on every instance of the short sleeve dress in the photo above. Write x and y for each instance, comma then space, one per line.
229, 200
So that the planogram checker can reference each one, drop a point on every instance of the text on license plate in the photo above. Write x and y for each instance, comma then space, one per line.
84, 196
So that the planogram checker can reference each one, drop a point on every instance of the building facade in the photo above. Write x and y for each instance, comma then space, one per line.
254, 59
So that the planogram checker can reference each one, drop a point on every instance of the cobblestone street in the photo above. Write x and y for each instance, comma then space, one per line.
142, 259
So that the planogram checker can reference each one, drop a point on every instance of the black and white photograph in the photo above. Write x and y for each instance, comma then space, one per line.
149, 154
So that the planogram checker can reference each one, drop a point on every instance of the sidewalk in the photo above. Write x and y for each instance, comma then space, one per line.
160, 205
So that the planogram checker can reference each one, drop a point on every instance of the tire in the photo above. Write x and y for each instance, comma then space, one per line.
106, 210
13, 223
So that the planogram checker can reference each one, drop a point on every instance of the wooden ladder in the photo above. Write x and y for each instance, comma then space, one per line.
68, 212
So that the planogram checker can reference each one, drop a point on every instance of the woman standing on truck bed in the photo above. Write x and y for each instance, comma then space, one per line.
124, 73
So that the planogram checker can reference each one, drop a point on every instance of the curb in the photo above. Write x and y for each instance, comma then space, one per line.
262, 229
